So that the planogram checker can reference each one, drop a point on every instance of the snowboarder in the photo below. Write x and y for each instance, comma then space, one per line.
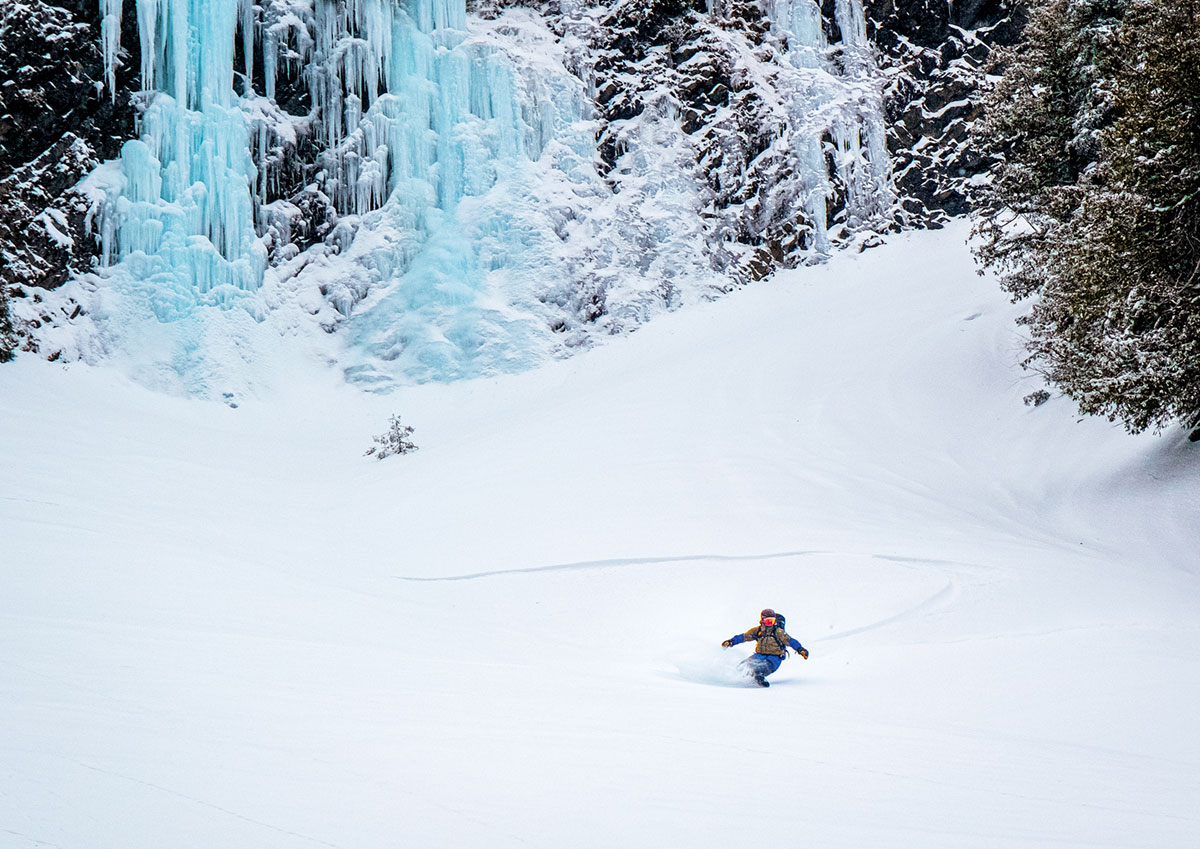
771, 645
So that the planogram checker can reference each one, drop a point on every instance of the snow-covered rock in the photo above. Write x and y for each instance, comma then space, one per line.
57, 123
934, 53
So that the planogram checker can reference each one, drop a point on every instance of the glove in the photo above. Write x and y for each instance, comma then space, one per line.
804, 653
727, 643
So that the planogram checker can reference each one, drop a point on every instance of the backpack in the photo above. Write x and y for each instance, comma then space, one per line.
780, 625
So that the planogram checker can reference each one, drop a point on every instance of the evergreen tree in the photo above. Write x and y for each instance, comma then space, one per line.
1095, 209
1041, 124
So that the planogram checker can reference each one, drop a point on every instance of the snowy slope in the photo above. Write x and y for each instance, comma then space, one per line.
226, 628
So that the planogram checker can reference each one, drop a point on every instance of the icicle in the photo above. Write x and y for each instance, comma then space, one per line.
110, 40
270, 50
818, 194
263, 169
109, 246
147, 11
852, 22
217, 22
247, 26
176, 46
864, 146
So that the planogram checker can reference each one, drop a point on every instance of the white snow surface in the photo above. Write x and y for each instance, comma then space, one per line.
226, 628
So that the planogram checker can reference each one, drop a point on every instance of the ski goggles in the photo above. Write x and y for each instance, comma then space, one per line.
768, 620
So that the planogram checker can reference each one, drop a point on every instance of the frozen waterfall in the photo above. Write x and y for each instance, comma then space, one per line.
855, 123
186, 216
460, 156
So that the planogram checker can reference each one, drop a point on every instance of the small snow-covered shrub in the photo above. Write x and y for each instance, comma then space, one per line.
395, 440
1036, 399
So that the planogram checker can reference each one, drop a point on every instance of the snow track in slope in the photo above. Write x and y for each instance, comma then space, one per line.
617, 564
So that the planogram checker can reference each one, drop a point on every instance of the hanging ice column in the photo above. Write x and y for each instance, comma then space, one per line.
186, 216
856, 123
417, 119
405, 107
861, 136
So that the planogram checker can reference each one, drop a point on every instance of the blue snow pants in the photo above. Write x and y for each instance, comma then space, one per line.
765, 664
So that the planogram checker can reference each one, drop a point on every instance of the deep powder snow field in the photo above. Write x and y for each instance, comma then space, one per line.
227, 629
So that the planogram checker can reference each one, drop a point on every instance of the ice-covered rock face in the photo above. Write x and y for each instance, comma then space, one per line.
474, 193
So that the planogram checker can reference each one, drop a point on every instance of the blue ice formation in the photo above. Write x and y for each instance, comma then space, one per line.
412, 120
434, 150
440, 152
186, 216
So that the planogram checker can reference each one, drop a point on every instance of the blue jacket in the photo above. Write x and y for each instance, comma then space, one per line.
770, 645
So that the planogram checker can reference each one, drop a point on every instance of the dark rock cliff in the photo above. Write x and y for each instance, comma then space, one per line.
934, 52
57, 123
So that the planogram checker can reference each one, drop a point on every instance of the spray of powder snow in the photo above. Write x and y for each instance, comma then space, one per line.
703, 663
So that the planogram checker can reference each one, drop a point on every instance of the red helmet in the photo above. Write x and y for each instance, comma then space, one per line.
767, 613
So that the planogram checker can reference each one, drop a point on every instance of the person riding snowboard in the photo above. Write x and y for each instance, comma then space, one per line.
771, 645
